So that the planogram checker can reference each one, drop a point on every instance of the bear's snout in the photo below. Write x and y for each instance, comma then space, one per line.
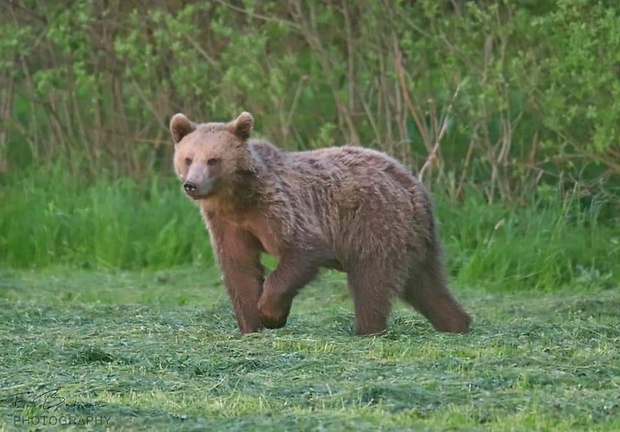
190, 188
197, 190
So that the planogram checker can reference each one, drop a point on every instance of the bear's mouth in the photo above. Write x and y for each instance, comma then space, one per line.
198, 195
196, 192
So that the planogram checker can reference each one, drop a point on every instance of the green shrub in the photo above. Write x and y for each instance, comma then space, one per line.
528, 92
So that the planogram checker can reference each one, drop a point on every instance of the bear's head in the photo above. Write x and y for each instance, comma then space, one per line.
209, 157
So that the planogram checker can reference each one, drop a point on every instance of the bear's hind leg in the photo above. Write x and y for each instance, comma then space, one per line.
372, 288
426, 290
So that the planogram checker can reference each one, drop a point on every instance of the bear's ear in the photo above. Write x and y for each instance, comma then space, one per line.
242, 126
180, 126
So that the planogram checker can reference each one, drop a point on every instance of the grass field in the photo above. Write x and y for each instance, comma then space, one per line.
160, 351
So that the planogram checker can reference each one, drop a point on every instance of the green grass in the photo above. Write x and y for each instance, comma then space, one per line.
110, 307
160, 351
51, 219
551, 243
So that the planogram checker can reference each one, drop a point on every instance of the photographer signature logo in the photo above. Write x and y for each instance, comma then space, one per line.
45, 400
48, 401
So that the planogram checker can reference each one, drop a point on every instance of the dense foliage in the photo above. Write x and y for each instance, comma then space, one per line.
515, 93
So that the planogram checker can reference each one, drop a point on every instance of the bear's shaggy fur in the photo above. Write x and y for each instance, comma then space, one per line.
349, 208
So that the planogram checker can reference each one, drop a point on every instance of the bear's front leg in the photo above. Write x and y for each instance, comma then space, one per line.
281, 287
238, 254
244, 286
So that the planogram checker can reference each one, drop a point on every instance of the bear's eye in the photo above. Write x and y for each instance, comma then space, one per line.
212, 161
188, 161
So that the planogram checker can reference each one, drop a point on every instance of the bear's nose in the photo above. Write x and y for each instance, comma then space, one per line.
189, 187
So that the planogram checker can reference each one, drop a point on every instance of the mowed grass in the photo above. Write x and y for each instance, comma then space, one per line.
161, 351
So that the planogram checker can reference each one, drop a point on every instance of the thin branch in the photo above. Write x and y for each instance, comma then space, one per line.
260, 16
398, 64
445, 123
432, 157
289, 118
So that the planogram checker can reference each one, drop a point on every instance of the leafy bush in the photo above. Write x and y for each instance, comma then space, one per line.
516, 94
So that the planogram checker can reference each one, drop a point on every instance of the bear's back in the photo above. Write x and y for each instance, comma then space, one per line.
344, 194
355, 167
332, 164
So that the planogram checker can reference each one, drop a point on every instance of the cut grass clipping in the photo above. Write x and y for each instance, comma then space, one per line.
161, 351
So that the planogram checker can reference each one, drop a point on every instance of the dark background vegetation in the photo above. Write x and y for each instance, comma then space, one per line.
512, 108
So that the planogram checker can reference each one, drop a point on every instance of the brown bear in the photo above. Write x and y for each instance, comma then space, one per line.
347, 208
